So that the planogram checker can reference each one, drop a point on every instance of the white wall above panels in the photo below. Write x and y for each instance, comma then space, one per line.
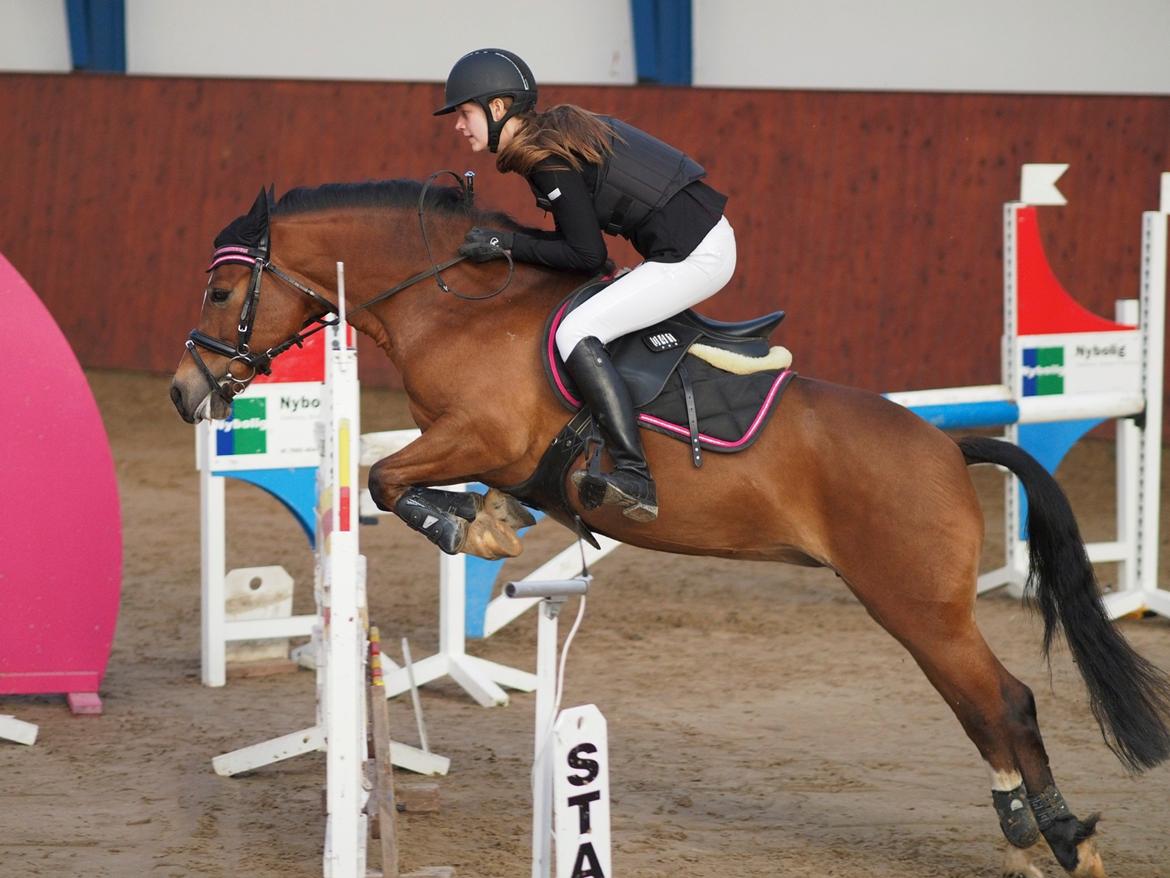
34, 36
1073, 46
564, 41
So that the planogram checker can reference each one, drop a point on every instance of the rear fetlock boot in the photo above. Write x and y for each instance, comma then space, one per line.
629, 485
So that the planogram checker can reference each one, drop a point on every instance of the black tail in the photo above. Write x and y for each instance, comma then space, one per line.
1130, 697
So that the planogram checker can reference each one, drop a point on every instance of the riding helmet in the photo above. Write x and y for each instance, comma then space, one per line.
484, 74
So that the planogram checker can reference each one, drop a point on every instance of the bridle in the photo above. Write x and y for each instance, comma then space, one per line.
259, 258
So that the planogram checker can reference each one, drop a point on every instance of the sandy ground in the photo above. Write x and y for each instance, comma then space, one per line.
760, 723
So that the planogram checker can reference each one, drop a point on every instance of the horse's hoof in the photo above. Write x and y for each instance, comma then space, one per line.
1089, 863
1017, 863
508, 510
490, 538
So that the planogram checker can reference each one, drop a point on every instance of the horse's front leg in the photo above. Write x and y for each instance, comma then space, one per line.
455, 521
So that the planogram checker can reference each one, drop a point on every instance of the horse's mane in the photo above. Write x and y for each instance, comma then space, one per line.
371, 193
447, 200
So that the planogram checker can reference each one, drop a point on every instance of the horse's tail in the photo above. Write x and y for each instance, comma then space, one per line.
1129, 696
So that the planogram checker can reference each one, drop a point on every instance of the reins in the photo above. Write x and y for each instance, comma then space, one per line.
259, 260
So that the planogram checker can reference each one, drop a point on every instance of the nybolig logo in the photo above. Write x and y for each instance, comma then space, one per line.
245, 431
1043, 371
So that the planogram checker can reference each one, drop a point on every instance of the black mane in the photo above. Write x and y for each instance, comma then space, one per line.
247, 230
372, 193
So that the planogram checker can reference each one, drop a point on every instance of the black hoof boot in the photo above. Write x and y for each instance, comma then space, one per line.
446, 530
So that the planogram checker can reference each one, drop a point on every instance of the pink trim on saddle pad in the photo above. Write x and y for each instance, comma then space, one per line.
231, 254
654, 421
743, 440
551, 353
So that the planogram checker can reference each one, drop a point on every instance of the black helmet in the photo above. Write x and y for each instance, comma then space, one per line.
484, 74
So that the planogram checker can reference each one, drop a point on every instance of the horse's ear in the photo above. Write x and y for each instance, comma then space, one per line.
271, 196
259, 211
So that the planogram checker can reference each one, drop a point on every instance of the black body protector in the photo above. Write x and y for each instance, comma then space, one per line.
639, 177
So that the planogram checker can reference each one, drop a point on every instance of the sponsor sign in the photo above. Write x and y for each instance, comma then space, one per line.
1080, 362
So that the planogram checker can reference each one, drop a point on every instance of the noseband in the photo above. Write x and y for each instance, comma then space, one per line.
260, 362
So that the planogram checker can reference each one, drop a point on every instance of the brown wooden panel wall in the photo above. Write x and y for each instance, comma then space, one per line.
873, 218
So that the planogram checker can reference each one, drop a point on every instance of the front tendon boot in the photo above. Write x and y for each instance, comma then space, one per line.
445, 529
605, 392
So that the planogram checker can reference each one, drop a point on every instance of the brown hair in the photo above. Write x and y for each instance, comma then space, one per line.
571, 134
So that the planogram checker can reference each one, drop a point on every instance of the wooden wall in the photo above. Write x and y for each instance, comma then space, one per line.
873, 218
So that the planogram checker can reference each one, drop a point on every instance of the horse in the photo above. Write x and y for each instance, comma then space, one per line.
840, 478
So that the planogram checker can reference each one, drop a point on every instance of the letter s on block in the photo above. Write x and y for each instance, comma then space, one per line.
589, 766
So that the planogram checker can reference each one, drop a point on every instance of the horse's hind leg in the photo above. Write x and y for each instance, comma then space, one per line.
998, 713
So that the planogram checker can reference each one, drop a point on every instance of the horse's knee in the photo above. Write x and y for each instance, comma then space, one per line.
384, 490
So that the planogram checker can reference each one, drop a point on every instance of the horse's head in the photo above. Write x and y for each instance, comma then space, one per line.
252, 311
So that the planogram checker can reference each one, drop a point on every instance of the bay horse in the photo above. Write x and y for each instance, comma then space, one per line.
840, 478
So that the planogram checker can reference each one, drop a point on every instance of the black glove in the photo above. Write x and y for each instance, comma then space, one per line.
483, 245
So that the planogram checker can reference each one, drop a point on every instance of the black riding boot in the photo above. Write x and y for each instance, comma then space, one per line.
608, 398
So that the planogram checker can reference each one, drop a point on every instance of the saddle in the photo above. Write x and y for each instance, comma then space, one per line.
711, 384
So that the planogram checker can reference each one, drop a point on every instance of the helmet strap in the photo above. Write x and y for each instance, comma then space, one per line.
495, 128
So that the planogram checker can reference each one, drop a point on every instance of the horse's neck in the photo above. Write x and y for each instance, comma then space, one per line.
381, 252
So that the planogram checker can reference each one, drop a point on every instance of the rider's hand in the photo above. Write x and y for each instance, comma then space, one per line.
483, 245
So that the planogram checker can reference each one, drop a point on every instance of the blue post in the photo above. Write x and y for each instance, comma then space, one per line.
662, 41
97, 34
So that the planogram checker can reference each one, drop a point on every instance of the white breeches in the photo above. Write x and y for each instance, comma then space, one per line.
652, 292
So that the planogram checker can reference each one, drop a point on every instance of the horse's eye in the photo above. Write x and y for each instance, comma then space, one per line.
219, 295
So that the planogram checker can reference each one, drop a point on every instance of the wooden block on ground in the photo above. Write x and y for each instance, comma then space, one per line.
262, 668
428, 872
417, 798
409, 798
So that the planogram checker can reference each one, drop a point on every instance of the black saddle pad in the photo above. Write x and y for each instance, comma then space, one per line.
731, 409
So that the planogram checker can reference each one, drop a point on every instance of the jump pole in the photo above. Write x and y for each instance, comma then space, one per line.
570, 765
1065, 371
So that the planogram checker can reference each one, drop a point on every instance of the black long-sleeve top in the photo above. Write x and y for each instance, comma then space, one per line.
669, 234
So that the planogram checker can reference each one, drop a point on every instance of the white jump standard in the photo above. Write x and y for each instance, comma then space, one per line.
1066, 370
570, 766
340, 635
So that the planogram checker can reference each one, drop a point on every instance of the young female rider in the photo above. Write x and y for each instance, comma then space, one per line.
596, 174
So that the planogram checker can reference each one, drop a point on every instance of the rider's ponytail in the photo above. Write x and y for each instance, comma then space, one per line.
566, 132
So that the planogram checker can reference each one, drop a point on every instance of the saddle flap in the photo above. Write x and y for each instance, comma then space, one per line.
648, 357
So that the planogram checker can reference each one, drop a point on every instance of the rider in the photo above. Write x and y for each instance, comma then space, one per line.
596, 174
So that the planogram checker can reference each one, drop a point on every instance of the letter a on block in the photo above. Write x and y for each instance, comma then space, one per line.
581, 794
